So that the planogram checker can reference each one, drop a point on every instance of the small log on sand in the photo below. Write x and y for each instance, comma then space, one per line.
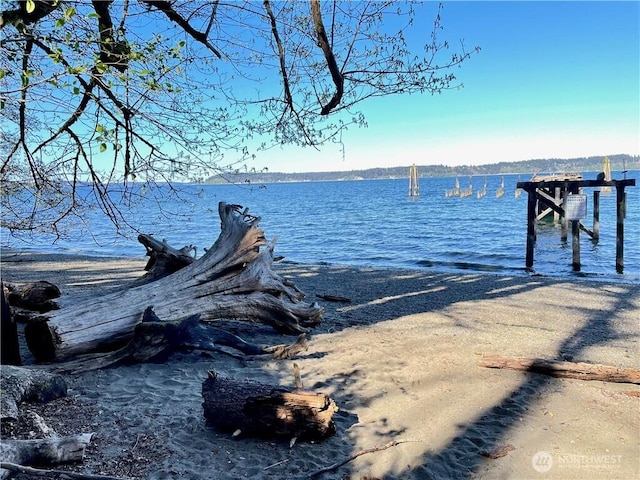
233, 280
555, 368
262, 410
44, 451
19, 384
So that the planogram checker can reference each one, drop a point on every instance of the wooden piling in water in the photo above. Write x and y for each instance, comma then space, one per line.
596, 215
414, 188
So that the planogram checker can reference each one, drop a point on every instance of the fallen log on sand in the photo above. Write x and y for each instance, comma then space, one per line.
257, 409
44, 451
233, 280
555, 368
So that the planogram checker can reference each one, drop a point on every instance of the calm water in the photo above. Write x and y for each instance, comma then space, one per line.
376, 223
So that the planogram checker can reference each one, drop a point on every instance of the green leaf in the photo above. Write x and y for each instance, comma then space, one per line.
60, 22
76, 90
31, 6
99, 128
103, 147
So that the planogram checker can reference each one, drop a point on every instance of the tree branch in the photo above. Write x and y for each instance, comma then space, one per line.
166, 8
283, 66
112, 52
323, 43
21, 16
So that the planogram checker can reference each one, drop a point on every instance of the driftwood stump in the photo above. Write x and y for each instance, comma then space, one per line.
233, 280
262, 410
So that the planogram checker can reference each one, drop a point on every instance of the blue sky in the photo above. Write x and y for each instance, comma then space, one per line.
553, 80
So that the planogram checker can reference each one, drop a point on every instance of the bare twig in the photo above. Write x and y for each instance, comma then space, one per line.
354, 456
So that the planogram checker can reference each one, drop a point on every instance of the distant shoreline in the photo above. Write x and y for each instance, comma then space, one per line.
619, 163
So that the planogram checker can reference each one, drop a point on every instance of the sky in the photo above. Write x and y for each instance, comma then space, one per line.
552, 80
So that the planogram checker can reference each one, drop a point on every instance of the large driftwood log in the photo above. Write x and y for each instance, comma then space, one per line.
18, 384
154, 339
257, 409
44, 451
233, 280
555, 368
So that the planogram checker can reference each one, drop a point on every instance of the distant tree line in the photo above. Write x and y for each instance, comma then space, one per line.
527, 167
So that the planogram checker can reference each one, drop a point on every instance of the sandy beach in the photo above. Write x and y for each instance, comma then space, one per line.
401, 360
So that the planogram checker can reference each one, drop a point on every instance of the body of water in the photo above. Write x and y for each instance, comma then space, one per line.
375, 223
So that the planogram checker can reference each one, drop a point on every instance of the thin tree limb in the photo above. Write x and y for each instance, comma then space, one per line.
283, 68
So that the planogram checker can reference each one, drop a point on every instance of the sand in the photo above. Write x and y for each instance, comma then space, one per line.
400, 360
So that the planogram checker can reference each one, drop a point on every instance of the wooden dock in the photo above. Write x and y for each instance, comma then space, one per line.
569, 188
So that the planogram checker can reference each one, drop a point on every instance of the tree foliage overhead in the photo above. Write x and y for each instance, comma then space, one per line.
112, 93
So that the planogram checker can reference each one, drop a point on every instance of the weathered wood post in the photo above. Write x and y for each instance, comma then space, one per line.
564, 222
596, 215
532, 203
575, 244
575, 234
414, 189
558, 200
620, 212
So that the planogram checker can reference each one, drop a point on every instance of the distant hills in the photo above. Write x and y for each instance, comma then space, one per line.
527, 167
